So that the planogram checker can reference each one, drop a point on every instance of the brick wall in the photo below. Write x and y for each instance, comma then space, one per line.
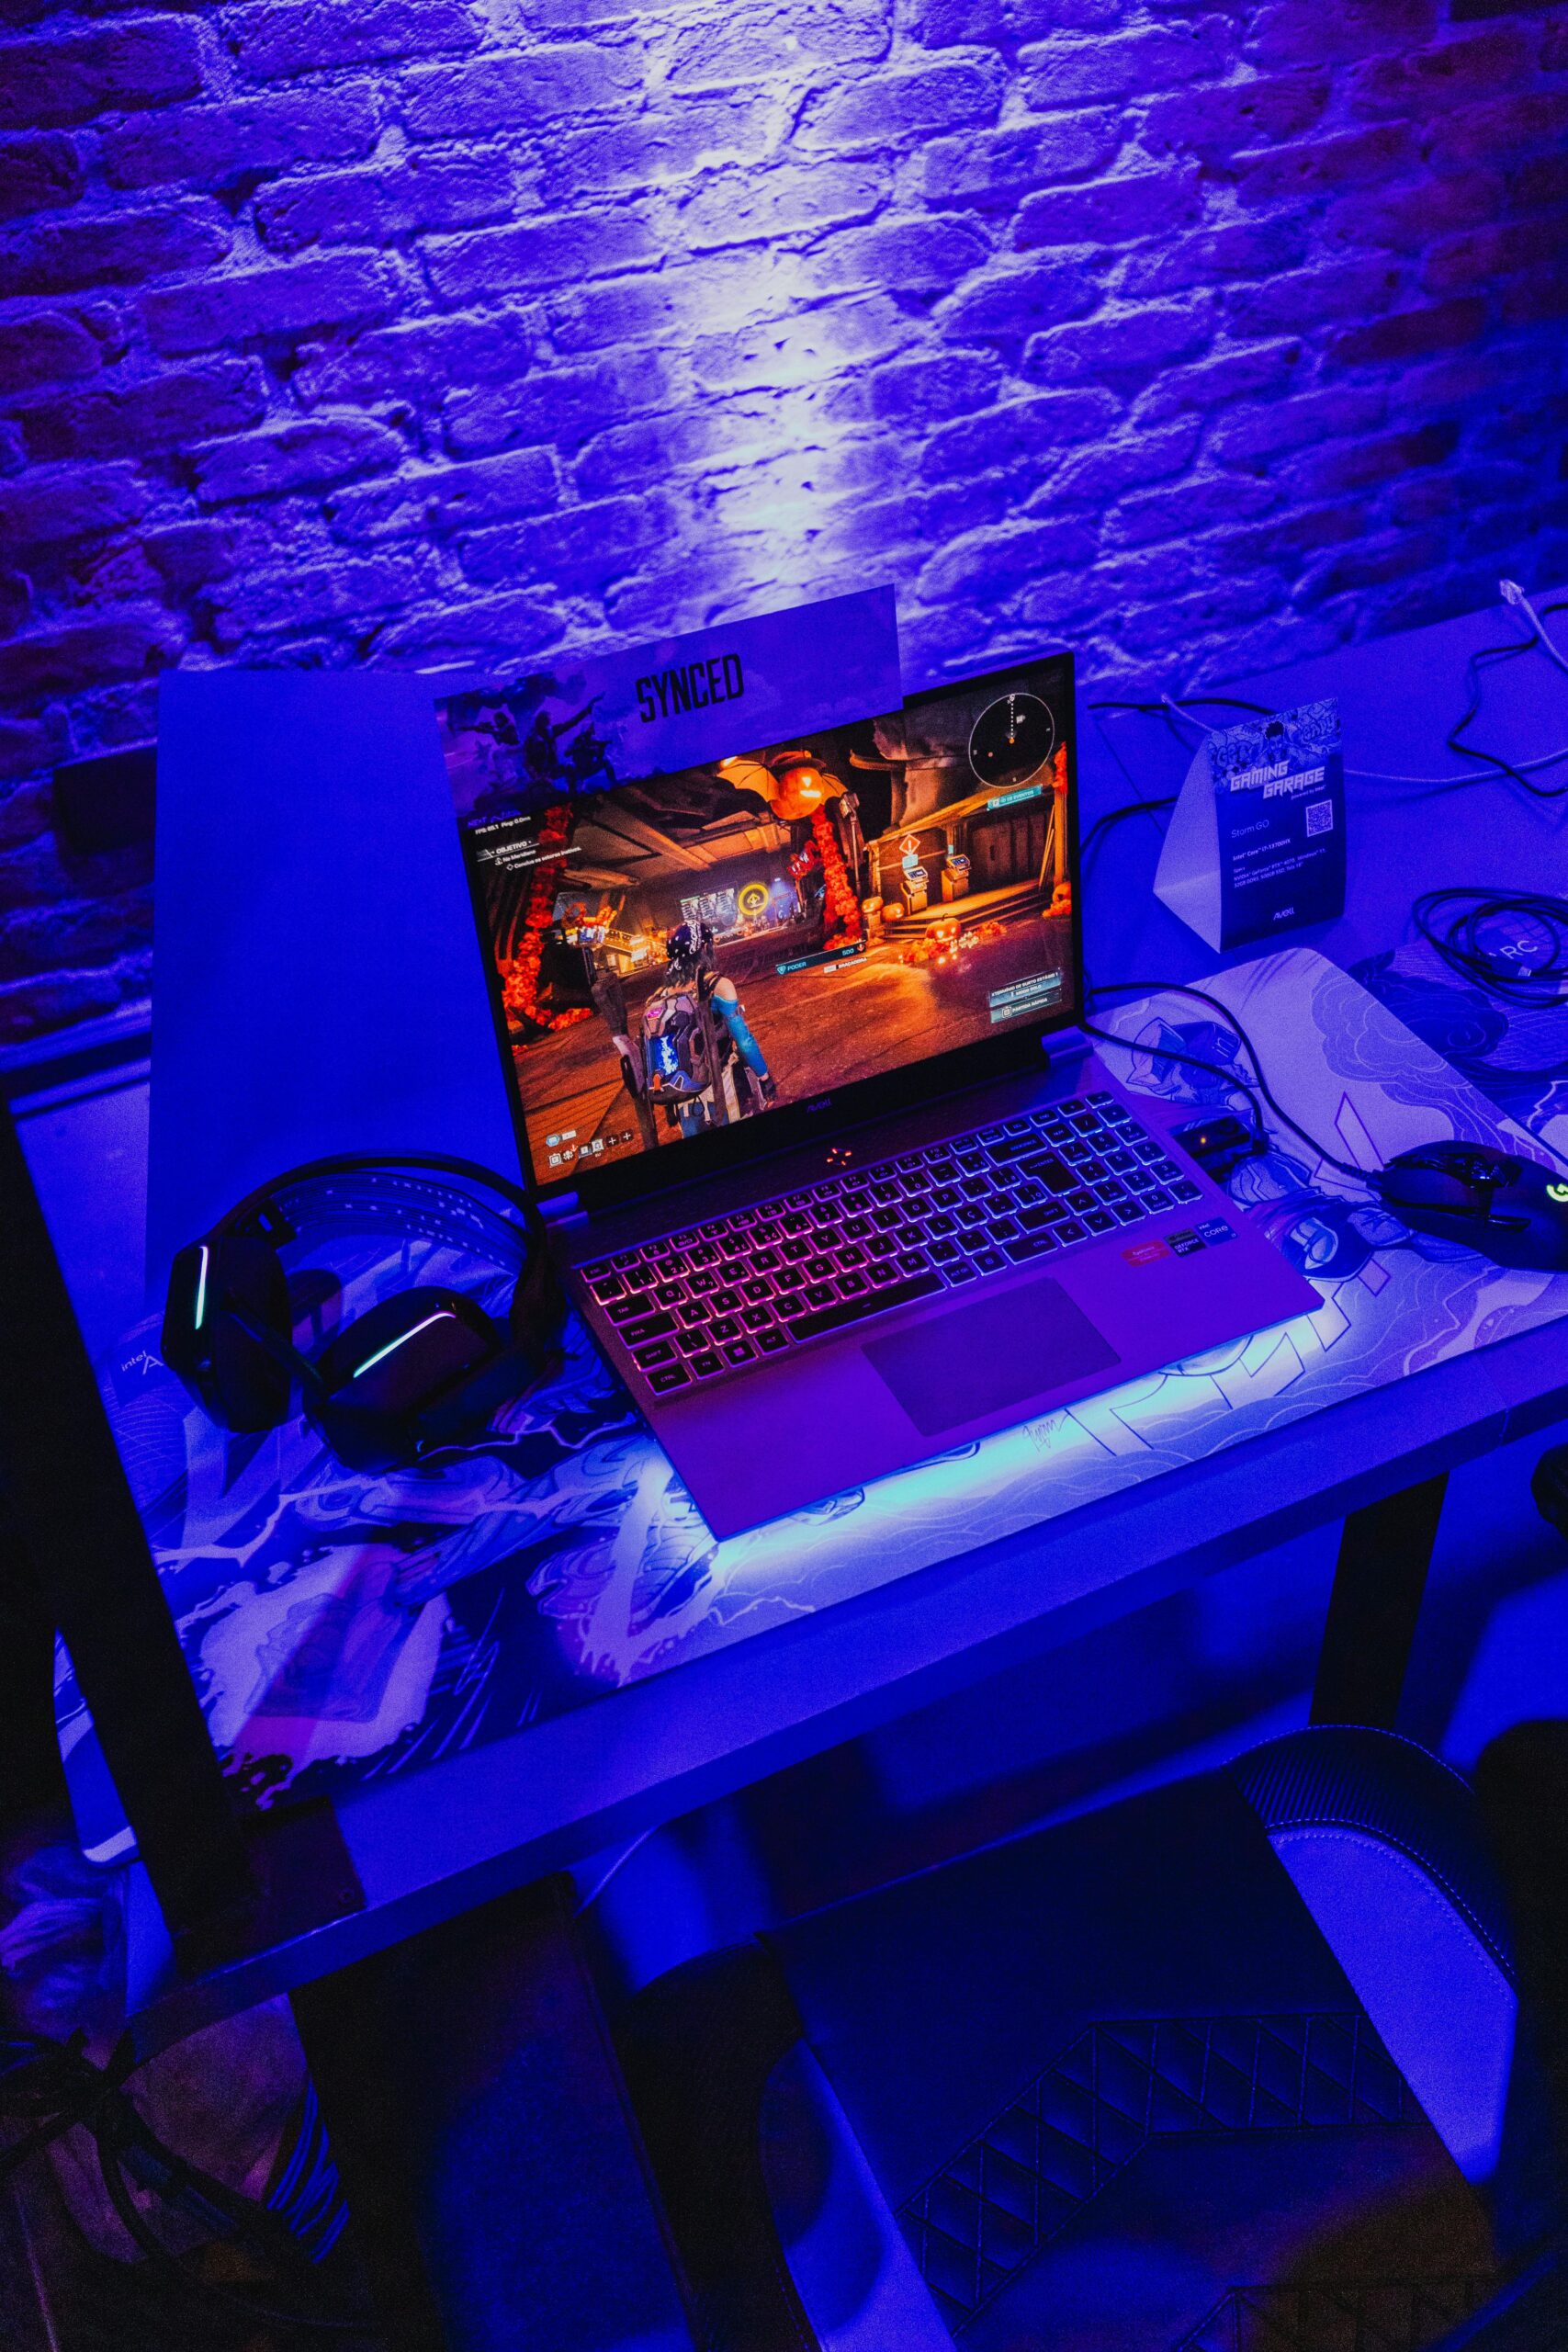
334, 330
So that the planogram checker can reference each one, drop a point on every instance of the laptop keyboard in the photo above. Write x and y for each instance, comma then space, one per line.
693, 1305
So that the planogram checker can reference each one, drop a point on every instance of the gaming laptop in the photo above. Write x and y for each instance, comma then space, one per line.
834, 1178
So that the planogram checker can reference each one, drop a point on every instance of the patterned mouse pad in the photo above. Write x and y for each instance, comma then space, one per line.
341, 1628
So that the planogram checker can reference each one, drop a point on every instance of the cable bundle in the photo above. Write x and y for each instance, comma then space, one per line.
1518, 971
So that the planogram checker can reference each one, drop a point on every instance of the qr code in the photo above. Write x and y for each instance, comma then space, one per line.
1320, 817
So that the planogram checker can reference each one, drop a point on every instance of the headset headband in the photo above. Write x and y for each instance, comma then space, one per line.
361, 1163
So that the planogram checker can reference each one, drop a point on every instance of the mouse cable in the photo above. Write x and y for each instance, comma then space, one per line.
1258, 1080
1451, 921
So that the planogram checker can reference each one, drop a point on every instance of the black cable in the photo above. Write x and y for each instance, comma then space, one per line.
1115, 816
1191, 702
1500, 653
54, 2085
1450, 920
1521, 773
1189, 1061
168, 2262
1102, 825
1493, 763
1179, 987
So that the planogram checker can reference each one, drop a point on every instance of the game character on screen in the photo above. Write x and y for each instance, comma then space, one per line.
698, 1063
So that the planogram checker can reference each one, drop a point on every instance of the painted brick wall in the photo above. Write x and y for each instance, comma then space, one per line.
416, 329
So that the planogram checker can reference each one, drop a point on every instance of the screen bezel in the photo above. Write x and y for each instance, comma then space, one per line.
792, 1124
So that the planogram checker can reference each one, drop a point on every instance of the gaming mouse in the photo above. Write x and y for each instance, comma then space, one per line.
1514, 1211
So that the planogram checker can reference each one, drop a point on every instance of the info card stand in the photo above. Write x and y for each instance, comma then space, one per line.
1256, 844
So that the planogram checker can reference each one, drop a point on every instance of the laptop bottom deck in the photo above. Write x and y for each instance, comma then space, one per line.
852, 1309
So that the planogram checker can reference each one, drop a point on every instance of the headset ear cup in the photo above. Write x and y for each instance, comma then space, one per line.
253, 1384
374, 1387
222, 1292
538, 1303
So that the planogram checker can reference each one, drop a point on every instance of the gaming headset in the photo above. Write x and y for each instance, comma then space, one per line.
421, 1369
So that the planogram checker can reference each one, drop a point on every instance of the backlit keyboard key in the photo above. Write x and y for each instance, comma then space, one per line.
648, 1327
852, 1310
1031, 1245
819, 1259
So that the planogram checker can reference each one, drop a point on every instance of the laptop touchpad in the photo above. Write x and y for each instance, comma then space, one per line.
992, 1352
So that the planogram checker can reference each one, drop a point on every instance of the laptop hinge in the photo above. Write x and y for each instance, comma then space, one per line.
561, 1210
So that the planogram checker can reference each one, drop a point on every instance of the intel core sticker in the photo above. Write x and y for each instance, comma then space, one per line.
1279, 806
1213, 1230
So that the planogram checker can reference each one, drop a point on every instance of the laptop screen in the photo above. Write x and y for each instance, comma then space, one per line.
684, 957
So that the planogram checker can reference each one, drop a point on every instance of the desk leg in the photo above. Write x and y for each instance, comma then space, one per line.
1384, 1553
485, 2142
86, 1570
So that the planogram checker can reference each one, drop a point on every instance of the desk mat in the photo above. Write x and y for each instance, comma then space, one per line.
342, 1627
